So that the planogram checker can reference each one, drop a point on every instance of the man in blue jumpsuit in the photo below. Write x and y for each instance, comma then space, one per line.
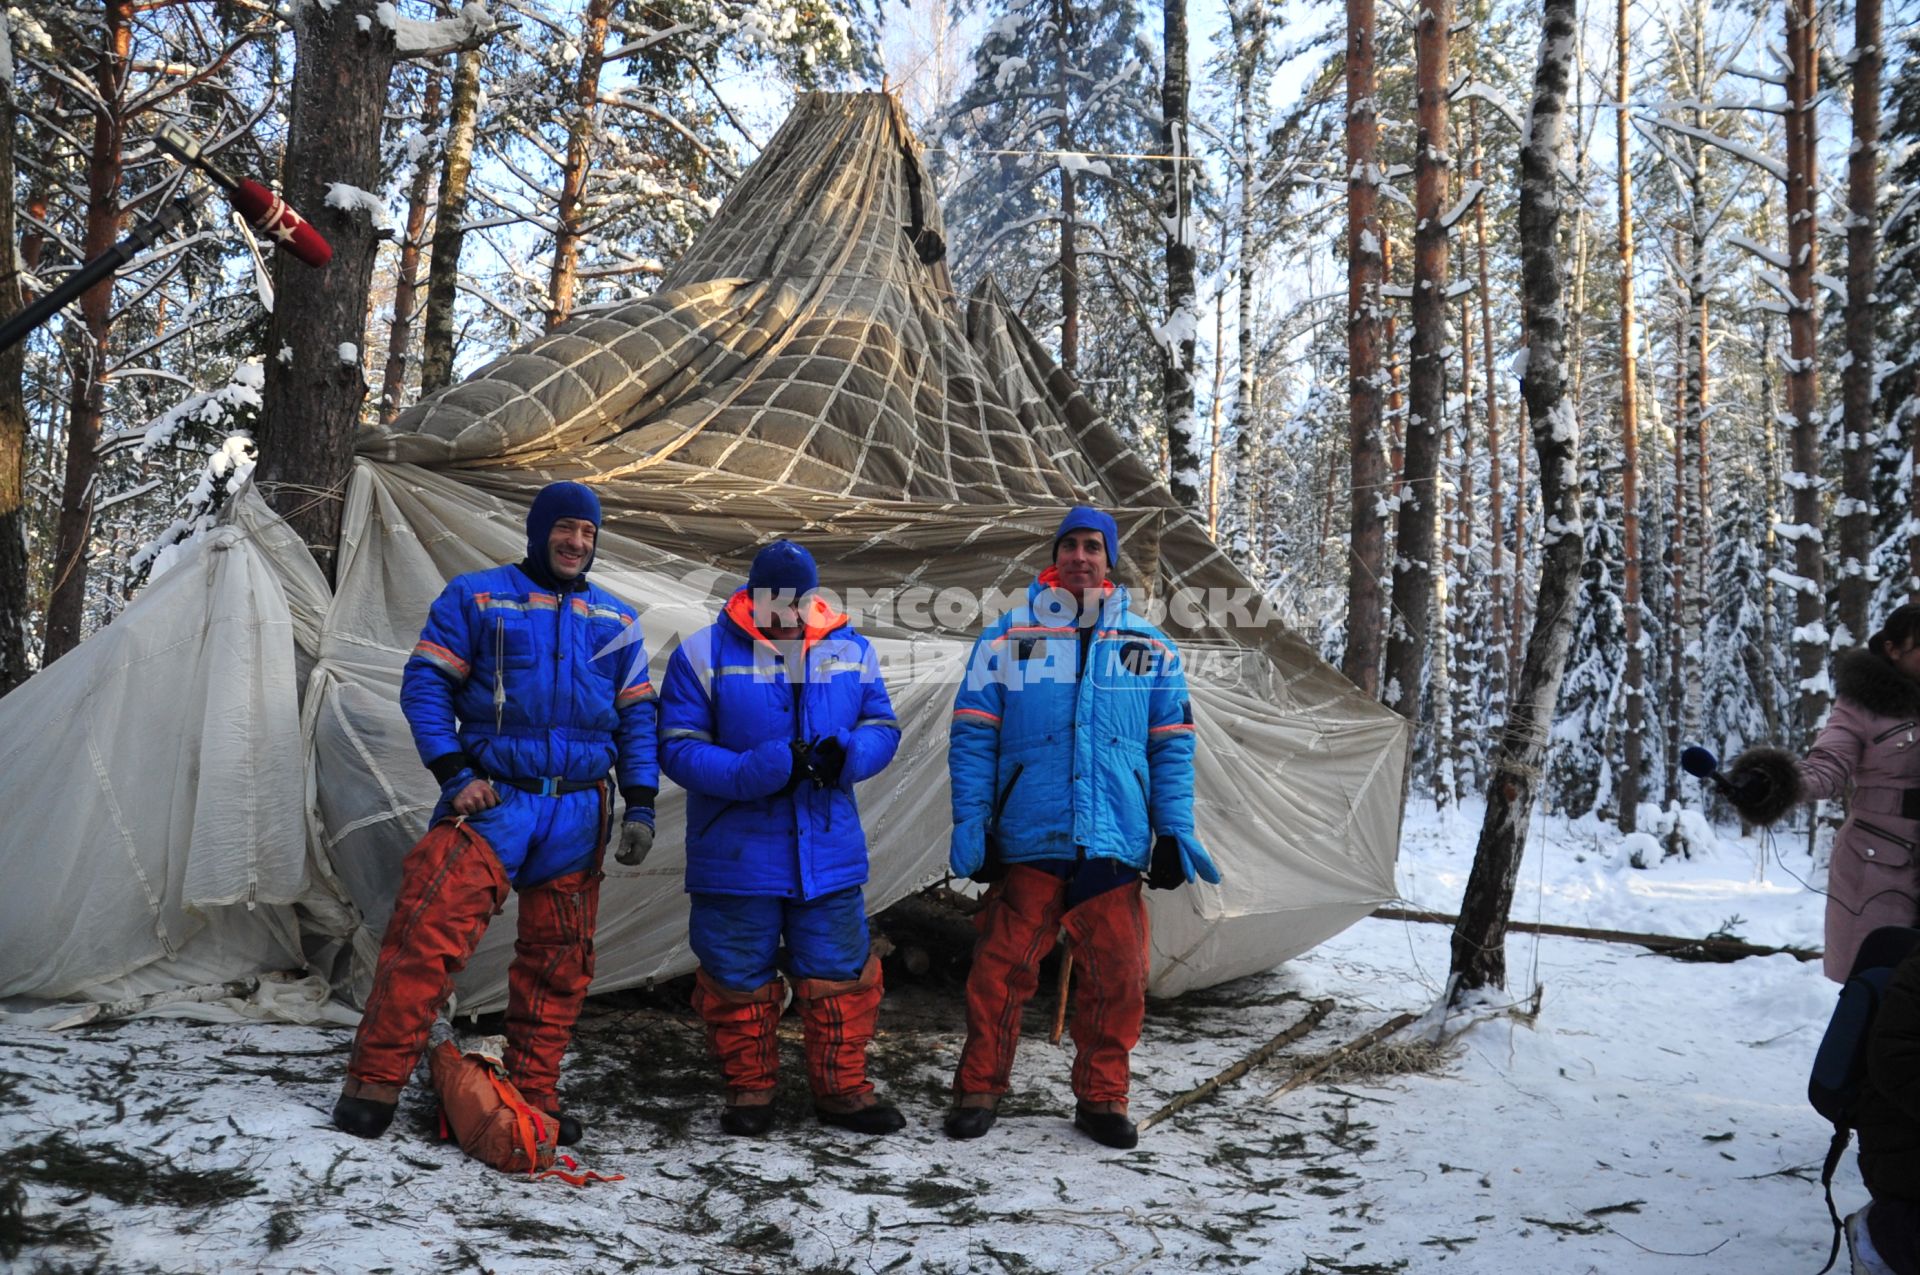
1071, 755
768, 718
526, 689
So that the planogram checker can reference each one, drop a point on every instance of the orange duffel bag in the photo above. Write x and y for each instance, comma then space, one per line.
487, 1115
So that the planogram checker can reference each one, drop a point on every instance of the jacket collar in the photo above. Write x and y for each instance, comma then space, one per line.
1874, 684
1112, 607
817, 619
540, 575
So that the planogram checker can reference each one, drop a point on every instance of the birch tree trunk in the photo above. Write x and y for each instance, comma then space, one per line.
1810, 638
1633, 761
573, 179
406, 291
1427, 376
449, 230
314, 388
1479, 939
1855, 511
14, 607
1367, 524
1177, 339
1069, 211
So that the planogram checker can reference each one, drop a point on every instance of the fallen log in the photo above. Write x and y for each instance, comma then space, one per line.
1315, 1012
1711, 948
1306, 1074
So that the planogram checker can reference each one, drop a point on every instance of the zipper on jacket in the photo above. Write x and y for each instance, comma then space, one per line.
1000, 806
1877, 830
1895, 731
499, 672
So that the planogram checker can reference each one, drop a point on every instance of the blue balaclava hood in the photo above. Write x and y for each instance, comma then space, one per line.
557, 501
783, 567
1087, 518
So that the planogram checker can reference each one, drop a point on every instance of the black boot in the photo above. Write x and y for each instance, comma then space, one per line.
879, 1118
571, 1130
363, 1117
1108, 1127
747, 1122
969, 1122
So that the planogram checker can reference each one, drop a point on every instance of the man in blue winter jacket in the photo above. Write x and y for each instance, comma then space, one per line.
768, 718
1071, 755
528, 698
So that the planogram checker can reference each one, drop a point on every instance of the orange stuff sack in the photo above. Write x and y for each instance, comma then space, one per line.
487, 1115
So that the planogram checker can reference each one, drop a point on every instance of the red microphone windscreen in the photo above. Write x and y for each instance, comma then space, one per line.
269, 214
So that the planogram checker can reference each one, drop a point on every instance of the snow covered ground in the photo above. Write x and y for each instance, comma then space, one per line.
1651, 1118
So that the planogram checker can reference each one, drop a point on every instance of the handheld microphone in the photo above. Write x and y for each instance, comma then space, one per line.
1699, 762
264, 210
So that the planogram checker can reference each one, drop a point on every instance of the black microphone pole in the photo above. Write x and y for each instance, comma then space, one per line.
142, 238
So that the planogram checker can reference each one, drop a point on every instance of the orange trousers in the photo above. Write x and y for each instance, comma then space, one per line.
451, 886
1107, 936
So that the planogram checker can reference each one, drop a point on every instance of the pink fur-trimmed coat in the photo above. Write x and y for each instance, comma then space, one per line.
1868, 754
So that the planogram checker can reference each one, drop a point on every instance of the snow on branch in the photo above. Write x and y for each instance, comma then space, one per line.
1772, 256
467, 29
1491, 96
1467, 198
1752, 156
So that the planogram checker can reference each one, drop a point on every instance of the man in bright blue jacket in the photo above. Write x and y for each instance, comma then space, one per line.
768, 718
528, 698
1071, 755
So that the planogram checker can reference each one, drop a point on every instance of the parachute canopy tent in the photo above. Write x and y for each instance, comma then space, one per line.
805, 371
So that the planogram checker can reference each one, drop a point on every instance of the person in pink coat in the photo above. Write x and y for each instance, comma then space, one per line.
1869, 754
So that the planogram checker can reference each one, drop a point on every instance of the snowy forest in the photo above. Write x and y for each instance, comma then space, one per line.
1281, 245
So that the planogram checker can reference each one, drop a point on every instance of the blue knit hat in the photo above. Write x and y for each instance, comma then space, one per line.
1087, 518
783, 567
557, 501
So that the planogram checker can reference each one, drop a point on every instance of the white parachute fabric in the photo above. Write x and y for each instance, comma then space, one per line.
151, 779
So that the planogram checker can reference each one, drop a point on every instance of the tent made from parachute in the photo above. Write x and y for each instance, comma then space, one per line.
221, 782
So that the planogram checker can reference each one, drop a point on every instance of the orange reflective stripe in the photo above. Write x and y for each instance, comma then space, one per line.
632, 693
440, 655
1171, 726
976, 712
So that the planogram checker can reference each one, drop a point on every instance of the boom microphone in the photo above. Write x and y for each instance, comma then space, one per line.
264, 210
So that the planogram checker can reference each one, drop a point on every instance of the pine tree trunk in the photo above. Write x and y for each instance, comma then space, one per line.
1633, 749
1496, 637
314, 388
1414, 563
1367, 527
86, 405
1396, 413
15, 595
573, 180
1810, 636
1855, 514
1677, 572
449, 225
1479, 940
393, 386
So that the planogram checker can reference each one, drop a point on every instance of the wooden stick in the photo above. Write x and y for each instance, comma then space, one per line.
1731, 949
1315, 1012
1306, 1074
1060, 995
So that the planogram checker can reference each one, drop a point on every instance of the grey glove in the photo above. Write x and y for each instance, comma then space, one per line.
636, 839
